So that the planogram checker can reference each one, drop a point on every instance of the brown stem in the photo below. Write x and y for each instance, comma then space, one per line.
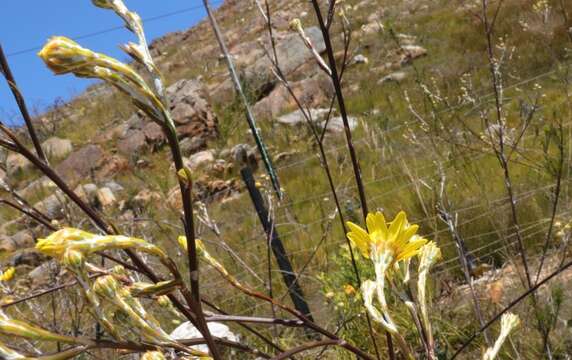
194, 298
5, 69
306, 347
28, 213
343, 112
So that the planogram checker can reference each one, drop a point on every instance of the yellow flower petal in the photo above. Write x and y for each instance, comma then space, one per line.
360, 238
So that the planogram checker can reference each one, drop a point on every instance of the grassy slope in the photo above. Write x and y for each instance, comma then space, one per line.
400, 170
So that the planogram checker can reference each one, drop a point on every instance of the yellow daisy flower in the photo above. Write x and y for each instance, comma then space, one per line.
400, 238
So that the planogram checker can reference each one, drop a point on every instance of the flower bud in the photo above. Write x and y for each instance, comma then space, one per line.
63, 55
8, 274
73, 259
106, 286
19, 328
104, 4
153, 355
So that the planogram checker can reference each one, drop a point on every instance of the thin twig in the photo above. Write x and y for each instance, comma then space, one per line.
5, 70
513, 303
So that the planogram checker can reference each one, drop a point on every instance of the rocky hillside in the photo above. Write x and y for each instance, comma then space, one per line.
408, 61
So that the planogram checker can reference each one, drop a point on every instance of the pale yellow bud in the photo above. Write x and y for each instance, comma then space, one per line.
106, 286
104, 4
63, 55
153, 355
73, 259
296, 25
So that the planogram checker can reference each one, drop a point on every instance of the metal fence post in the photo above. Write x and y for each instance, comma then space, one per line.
284, 264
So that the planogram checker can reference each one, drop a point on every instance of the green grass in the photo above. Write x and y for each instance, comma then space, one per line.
400, 160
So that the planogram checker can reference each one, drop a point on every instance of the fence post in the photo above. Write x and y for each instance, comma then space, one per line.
276, 245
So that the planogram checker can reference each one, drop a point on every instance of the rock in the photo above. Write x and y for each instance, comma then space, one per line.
405, 39
28, 257
192, 145
411, 52
221, 167
81, 164
43, 274
40, 185
201, 158
57, 148
105, 197
20, 240
296, 118
52, 206
191, 111
397, 76
372, 27
187, 331
210, 191
144, 198
360, 59
292, 53
336, 124
154, 135
16, 163
6, 244
114, 187
86, 192
311, 92
112, 166
174, 199
133, 143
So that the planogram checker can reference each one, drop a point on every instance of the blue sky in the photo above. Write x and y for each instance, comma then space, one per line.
27, 24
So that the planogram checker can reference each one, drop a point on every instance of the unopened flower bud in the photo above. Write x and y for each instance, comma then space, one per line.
63, 55
73, 259
106, 286
104, 4
153, 355
8, 274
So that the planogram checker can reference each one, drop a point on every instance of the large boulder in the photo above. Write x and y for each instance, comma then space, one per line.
192, 145
133, 143
53, 205
311, 92
16, 163
336, 124
292, 53
20, 240
297, 118
57, 148
81, 164
191, 110
115, 164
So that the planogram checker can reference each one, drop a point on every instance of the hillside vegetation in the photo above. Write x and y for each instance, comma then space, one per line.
423, 104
